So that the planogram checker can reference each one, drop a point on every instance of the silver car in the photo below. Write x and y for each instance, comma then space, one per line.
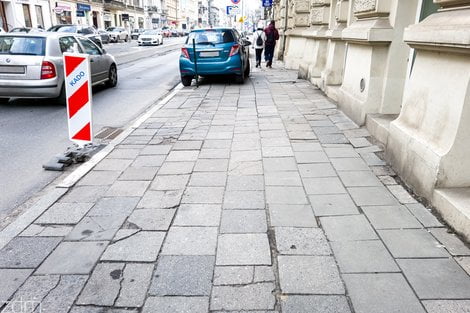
31, 65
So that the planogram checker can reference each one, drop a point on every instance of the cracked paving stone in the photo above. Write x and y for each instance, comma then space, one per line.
93, 228
251, 297
453, 244
12, 279
233, 275
140, 247
315, 304
190, 241
46, 231
35, 289
73, 258
189, 275
103, 286
62, 297
176, 305
27, 252
136, 278
64, 213
152, 219
243, 249
170, 182
160, 199
309, 275
263, 274
301, 241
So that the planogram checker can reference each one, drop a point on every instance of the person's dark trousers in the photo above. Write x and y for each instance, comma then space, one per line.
259, 52
268, 55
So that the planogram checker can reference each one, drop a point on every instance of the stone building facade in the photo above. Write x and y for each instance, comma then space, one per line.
402, 69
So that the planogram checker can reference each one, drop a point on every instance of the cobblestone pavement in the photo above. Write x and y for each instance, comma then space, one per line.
261, 198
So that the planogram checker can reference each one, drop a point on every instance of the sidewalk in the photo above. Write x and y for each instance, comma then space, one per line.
261, 197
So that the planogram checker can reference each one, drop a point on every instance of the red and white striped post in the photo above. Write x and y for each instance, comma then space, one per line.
78, 94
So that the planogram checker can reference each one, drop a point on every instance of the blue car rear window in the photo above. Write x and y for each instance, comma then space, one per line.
211, 37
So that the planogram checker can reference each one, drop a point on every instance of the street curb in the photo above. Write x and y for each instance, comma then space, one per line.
39, 207
76, 175
23, 221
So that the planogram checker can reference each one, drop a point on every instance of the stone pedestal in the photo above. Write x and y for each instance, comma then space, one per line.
332, 75
314, 60
428, 144
376, 62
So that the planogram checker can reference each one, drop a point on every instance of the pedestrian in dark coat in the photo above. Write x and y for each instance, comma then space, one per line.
259, 38
272, 35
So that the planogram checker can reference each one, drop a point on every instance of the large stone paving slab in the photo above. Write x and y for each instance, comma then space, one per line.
190, 241
309, 275
64, 213
315, 304
292, 215
347, 228
436, 278
198, 215
243, 249
27, 252
412, 243
243, 298
12, 279
136, 278
243, 221
327, 205
381, 293
176, 305
301, 241
388, 217
73, 258
189, 275
447, 306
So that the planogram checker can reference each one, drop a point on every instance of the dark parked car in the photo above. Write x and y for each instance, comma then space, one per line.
105, 37
87, 31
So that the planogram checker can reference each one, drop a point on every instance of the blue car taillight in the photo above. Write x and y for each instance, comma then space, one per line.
184, 53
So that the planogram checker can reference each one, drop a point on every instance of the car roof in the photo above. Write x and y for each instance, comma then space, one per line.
40, 34
212, 29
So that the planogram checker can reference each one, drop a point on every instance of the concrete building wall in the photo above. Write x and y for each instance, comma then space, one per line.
405, 78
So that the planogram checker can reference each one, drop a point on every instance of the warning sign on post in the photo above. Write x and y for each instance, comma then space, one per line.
78, 94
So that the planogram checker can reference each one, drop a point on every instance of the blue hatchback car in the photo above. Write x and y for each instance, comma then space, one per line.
219, 51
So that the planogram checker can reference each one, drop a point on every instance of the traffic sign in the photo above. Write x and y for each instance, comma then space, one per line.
233, 10
78, 94
267, 3
236, 1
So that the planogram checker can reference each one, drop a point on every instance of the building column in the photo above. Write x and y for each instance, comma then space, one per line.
428, 144
332, 75
315, 52
376, 61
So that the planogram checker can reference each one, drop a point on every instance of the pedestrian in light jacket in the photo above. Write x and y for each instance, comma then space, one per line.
259, 39
272, 35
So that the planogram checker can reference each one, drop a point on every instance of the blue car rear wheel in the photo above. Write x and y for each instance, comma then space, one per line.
186, 80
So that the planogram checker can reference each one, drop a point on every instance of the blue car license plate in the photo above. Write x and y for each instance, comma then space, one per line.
209, 54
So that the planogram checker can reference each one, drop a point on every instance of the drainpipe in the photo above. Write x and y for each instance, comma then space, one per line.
284, 37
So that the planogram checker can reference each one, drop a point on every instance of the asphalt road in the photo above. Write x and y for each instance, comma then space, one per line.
33, 131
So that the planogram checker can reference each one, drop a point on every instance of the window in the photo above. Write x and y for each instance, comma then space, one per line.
22, 45
211, 37
27, 16
66, 44
39, 16
90, 47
